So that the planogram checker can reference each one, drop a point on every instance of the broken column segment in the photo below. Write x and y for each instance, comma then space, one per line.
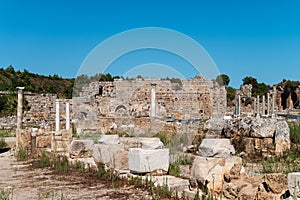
152, 105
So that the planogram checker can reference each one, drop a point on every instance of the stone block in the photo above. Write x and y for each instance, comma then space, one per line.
282, 138
43, 141
148, 160
113, 156
210, 171
215, 126
81, 148
294, 184
218, 148
151, 143
109, 139
263, 128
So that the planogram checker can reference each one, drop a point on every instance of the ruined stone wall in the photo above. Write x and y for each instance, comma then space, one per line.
41, 113
102, 106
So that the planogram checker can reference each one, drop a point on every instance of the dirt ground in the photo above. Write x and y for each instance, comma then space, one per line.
26, 182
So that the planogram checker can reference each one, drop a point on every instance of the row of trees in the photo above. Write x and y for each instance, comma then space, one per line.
257, 88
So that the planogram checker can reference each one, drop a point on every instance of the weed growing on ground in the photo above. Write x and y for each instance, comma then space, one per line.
22, 154
294, 132
44, 160
9, 133
2, 143
174, 169
6, 193
61, 164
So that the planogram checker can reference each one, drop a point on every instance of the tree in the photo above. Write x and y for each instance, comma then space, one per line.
223, 79
257, 88
10, 69
230, 93
250, 80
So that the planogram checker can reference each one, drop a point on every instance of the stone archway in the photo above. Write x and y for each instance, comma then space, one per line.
120, 107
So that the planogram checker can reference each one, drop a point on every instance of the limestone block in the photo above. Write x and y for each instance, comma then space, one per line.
43, 141
215, 126
210, 171
109, 139
294, 184
282, 138
276, 182
148, 160
218, 148
113, 156
81, 148
151, 143
262, 128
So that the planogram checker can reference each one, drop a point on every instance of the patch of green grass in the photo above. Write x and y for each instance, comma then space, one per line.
61, 164
294, 132
7, 134
174, 169
44, 160
22, 153
6, 193
2, 143
283, 165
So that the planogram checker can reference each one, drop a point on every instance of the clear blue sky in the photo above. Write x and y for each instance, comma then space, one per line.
255, 38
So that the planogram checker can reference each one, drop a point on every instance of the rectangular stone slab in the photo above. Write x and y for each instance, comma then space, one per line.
148, 160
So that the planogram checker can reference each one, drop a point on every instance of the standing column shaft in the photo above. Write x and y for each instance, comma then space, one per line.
263, 105
258, 105
152, 106
239, 105
67, 115
20, 107
268, 102
19, 115
57, 116
254, 106
273, 103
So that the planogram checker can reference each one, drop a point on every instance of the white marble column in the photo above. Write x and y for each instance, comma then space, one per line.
258, 110
239, 105
20, 107
268, 104
67, 115
57, 129
263, 105
273, 104
152, 106
254, 106
19, 115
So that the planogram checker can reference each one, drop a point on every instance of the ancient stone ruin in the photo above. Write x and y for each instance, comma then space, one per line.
145, 105
217, 147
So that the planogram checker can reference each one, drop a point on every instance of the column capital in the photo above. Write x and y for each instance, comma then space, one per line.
153, 84
20, 88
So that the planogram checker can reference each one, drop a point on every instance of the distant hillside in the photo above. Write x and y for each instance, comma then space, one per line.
10, 79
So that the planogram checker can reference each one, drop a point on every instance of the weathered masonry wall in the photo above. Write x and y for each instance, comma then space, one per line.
145, 104
41, 113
